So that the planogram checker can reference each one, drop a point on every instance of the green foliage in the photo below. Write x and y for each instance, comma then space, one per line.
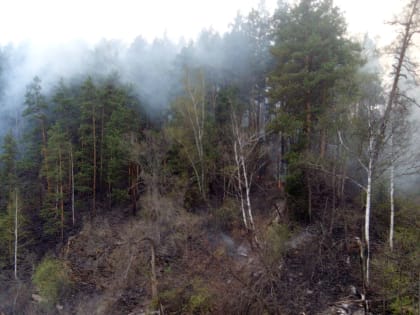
8, 168
110, 120
119, 196
306, 86
199, 304
404, 306
191, 130
36, 111
296, 187
193, 198
51, 218
396, 272
275, 239
7, 230
36, 104
172, 299
10, 203
312, 58
88, 137
226, 216
186, 154
51, 279
200, 301
56, 169
195, 298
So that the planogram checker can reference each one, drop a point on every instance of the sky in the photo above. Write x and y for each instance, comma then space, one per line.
45, 22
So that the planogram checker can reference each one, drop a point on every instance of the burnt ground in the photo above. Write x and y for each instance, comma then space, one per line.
203, 268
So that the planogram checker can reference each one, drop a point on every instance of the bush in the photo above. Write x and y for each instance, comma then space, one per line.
227, 215
200, 301
199, 304
51, 279
396, 273
275, 240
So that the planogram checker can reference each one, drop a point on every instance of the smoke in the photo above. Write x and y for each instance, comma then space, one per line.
154, 69
381, 61
145, 66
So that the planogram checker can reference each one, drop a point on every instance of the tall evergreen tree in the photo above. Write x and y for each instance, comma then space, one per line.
88, 135
59, 158
12, 220
312, 56
36, 110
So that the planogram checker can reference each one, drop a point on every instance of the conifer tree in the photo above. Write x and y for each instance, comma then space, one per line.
87, 154
312, 56
59, 158
36, 111
12, 220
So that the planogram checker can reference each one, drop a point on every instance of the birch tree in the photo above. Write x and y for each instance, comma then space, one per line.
246, 144
403, 68
189, 129
365, 119
379, 129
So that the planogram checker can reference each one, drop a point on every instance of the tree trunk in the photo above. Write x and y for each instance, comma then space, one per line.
309, 183
45, 154
410, 28
391, 197
367, 215
16, 233
94, 162
101, 148
308, 125
248, 192
61, 195
72, 186
134, 192
334, 191
153, 273
241, 197
323, 145
196, 116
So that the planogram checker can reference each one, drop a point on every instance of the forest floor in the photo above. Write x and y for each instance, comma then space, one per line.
202, 268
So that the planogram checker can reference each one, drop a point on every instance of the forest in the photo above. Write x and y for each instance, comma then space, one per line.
272, 169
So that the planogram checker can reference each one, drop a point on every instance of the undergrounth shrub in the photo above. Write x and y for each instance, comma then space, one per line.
51, 279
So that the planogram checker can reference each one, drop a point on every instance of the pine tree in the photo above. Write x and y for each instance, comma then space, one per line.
312, 56
87, 153
36, 110
67, 115
12, 220
59, 159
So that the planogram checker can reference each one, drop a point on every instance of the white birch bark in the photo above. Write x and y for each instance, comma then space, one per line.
247, 193
241, 197
243, 146
367, 216
371, 162
197, 117
391, 196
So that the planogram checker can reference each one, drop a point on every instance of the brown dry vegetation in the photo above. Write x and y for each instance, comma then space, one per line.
203, 269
